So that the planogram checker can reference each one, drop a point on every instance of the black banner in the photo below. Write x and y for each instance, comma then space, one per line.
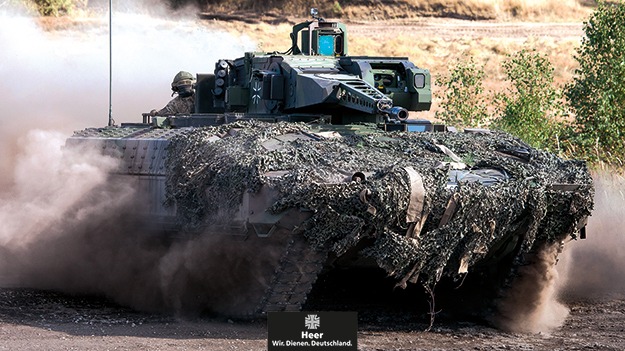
303, 331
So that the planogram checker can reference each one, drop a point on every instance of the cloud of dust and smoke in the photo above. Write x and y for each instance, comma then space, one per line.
589, 269
594, 268
531, 304
59, 80
60, 212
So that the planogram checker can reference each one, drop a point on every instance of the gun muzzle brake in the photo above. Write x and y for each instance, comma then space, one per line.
397, 113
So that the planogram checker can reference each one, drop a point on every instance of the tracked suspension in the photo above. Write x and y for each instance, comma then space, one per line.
294, 277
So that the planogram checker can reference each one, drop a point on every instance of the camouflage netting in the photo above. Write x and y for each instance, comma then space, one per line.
208, 177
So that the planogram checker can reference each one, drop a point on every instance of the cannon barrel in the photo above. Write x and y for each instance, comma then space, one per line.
396, 113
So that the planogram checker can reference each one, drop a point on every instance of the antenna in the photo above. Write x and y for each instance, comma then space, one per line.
111, 63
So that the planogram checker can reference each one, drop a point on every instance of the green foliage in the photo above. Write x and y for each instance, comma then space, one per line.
337, 10
463, 103
531, 108
54, 7
597, 93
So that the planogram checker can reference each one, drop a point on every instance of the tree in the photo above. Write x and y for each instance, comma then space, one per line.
597, 93
463, 103
531, 108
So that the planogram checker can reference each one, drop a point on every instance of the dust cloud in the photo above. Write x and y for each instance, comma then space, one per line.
594, 268
59, 80
64, 222
586, 270
531, 304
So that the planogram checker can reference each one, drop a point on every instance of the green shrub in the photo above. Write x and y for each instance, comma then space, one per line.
54, 7
531, 108
597, 93
463, 103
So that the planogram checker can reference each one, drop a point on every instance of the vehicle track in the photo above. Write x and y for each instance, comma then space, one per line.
294, 277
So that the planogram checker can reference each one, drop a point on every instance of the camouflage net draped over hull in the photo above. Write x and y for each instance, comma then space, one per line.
208, 176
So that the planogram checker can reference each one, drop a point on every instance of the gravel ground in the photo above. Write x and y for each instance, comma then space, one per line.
41, 320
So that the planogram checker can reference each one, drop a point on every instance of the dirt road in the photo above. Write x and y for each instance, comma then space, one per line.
451, 28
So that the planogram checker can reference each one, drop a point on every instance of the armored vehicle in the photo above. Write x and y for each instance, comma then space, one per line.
312, 159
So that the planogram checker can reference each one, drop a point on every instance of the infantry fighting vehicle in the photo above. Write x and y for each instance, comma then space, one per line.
312, 159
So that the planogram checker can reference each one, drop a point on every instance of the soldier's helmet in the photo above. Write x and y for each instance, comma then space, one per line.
183, 84
182, 78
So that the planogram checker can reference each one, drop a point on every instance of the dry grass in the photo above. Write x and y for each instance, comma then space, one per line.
502, 10
532, 10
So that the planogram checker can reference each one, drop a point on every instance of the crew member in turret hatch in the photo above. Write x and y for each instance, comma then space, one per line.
184, 103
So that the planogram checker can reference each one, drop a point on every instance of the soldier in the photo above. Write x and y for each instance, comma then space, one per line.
184, 103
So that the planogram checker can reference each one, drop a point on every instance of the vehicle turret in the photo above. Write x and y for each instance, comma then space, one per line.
315, 80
